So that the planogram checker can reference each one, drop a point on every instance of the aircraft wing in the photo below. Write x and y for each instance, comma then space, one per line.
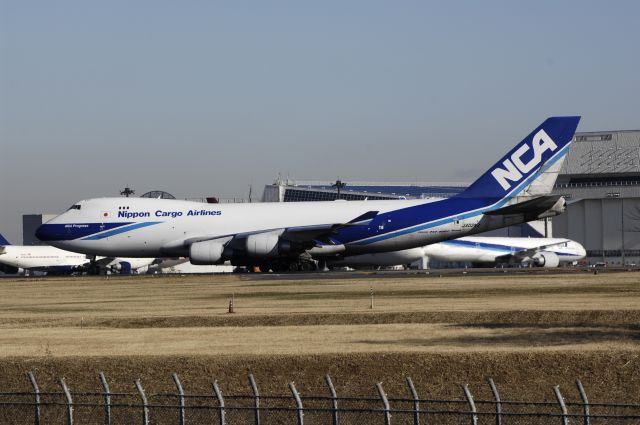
104, 261
529, 252
305, 235
310, 233
166, 263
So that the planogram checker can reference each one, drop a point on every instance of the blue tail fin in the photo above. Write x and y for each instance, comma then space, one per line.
532, 166
3, 241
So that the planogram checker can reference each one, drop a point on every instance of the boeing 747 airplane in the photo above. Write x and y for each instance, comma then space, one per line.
479, 251
286, 235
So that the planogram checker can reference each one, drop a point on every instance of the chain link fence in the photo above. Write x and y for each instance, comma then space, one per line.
181, 408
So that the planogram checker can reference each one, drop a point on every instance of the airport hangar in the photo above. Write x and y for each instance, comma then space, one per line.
600, 180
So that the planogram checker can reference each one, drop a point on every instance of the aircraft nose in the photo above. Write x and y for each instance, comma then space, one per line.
48, 232
581, 251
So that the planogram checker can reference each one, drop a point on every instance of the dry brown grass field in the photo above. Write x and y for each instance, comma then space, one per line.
528, 331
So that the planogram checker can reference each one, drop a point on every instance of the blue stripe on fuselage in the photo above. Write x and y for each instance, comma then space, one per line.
66, 232
120, 230
433, 214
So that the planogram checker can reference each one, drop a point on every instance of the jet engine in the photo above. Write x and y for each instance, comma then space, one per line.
546, 259
4, 268
206, 253
122, 267
267, 245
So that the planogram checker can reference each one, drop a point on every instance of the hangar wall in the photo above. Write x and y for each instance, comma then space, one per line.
609, 229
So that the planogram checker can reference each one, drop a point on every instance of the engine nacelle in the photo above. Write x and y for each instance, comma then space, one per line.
122, 267
266, 245
4, 268
546, 259
206, 253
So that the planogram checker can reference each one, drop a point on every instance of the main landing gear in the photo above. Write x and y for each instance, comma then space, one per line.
284, 265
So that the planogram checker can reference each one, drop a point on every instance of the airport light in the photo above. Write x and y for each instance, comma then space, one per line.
339, 184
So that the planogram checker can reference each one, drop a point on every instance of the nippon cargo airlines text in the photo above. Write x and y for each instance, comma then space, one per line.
172, 214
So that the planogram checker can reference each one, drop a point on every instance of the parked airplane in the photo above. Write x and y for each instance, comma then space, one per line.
541, 252
16, 258
285, 235
478, 250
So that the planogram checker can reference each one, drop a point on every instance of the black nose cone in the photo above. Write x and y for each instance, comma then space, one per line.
47, 232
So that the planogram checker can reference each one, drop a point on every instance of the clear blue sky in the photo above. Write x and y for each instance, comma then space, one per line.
204, 98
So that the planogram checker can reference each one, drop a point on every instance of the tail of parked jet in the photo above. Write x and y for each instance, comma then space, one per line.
530, 169
3, 241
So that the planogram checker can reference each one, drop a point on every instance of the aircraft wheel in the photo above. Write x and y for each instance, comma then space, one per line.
306, 266
293, 266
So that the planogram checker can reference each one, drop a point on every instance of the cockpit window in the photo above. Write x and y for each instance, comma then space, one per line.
74, 207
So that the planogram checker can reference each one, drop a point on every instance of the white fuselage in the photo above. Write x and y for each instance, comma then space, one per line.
472, 249
40, 257
161, 227
49, 258
489, 249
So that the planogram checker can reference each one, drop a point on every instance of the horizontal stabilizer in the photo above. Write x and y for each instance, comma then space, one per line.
532, 206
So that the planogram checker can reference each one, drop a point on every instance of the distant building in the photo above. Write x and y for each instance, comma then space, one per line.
300, 191
601, 181
158, 194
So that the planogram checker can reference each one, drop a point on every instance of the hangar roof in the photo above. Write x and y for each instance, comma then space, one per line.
604, 152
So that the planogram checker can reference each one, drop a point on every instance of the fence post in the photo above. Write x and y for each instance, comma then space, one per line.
296, 396
67, 395
36, 393
496, 397
180, 396
585, 401
416, 401
216, 389
145, 403
256, 397
334, 399
385, 401
472, 404
107, 399
563, 407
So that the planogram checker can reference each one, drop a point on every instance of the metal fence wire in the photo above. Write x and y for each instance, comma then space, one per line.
68, 407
